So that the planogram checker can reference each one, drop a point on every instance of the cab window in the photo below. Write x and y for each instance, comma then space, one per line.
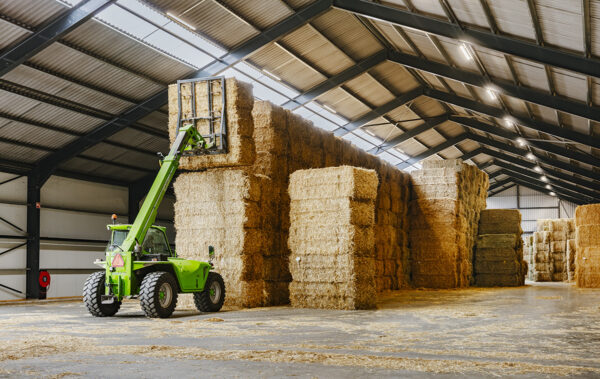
155, 242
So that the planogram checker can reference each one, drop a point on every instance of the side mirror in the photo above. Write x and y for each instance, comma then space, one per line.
211, 252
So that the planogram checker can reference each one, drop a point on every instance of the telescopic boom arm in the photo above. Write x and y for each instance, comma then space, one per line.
187, 138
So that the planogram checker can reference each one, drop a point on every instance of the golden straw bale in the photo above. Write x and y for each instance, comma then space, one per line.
587, 214
240, 128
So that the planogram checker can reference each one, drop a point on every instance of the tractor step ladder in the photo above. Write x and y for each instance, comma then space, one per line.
217, 120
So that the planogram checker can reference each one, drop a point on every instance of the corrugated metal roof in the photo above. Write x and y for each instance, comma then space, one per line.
97, 38
31, 12
68, 61
10, 34
328, 45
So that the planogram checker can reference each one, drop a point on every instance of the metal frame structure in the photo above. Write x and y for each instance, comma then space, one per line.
572, 179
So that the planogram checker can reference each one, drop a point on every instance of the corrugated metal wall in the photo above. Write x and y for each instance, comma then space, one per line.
533, 205
71, 209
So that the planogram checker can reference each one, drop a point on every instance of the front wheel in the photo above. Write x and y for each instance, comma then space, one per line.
211, 299
93, 289
158, 294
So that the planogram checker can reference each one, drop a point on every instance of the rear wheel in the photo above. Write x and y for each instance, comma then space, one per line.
158, 294
213, 296
93, 289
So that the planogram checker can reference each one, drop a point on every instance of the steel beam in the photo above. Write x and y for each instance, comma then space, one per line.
33, 238
547, 161
379, 111
471, 154
503, 87
501, 183
336, 80
537, 125
433, 150
554, 184
506, 44
589, 186
573, 197
494, 193
427, 125
46, 166
51, 32
542, 145
537, 187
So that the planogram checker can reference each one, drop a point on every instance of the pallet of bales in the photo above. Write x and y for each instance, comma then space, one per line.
498, 258
587, 241
331, 238
447, 198
280, 143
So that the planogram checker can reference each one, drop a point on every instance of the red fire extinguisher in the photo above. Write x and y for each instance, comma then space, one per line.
44, 281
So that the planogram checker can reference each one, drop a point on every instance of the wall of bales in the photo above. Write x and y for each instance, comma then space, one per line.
587, 240
239, 203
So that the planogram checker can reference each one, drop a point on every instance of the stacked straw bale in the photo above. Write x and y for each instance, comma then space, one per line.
587, 240
447, 197
571, 254
528, 255
555, 247
238, 118
498, 258
281, 143
540, 263
332, 238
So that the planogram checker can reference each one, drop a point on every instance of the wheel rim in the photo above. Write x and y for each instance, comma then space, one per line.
214, 292
165, 294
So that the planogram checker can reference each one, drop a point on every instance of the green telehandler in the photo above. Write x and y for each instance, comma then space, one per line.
139, 262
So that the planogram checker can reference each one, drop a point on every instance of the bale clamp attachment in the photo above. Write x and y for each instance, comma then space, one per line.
217, 121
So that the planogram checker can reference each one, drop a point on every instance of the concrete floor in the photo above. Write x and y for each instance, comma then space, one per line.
540, 330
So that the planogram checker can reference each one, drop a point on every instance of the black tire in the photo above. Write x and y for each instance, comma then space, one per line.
204, 301
92, 290
158, 294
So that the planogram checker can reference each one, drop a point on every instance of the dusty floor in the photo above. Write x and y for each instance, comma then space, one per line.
541, 330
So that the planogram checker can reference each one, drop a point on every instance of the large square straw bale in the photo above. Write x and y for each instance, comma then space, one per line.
239, 125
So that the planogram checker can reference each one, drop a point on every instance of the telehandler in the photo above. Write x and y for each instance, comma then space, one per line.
139, 262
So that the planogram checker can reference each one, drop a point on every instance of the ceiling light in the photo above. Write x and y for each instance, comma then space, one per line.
466, 51
548, 186
538, 168
491, 93
530, 156
271, 74
508, 122
369, 132
544, 178
329, 108
521, 141
552, 194
180, 20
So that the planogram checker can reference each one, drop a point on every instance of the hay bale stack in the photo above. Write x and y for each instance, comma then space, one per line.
528, 255
498, 258
571, 254
239, 103
559, 232
448, 197
542, 268
224, 208
587, 241
282, 142
331, 238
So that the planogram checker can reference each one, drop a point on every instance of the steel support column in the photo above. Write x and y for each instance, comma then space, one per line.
33, 238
